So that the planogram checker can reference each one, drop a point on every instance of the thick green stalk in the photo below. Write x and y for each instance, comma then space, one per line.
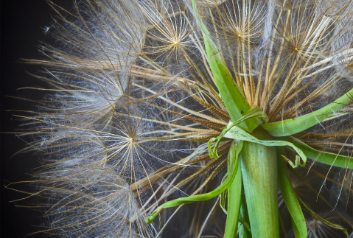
259, 173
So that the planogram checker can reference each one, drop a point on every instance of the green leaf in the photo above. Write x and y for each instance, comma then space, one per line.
233, 156
322, 156
254, 112
317, 217
223, 198
232, 97
234, 202
290, 198
237, 133
299, 124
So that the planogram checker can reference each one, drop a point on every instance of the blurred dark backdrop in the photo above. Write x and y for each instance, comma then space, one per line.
22, 23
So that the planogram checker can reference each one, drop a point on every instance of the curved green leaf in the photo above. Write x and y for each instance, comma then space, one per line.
290, 198
299, 124
237, 133
232, 97
322, 156
233, 157
316, 216
223, 198
254, 112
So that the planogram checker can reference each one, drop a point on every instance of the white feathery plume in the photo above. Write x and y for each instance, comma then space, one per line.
132, 102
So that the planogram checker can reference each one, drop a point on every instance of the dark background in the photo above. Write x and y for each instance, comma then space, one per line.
22, 23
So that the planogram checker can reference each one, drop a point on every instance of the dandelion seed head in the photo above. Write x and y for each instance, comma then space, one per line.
132, 101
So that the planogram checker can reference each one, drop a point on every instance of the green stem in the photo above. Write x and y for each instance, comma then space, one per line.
290, 198
234, 202
259, 172
299, 124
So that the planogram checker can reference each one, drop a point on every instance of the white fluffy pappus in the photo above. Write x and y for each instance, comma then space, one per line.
132, 103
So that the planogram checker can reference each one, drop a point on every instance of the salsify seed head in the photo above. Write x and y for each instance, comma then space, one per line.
132, 102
